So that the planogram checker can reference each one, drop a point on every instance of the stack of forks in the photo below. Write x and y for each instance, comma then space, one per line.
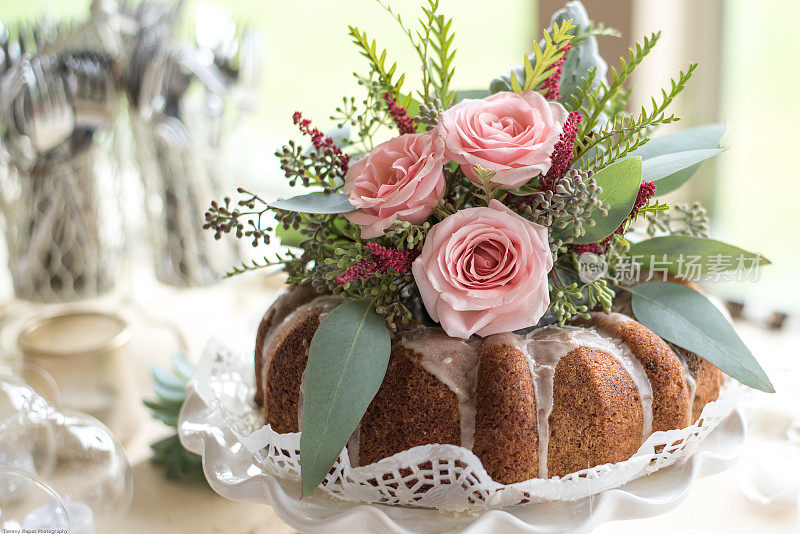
52, 107
63, 89
182, 96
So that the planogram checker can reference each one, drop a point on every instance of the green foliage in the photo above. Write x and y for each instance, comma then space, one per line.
671, 171
597, 29
652, 208
311, 168
697, 138
673, 252
586, 91
576, 300
170, 390
347, 360
598, 99
568, 208
319, 203
542, 67
487, 189
682, 219
618, 186
685, 317
406, 236
625, 133
263, 263
390, 290
178, 463
377, 62
436, 34
368, 115
442, 64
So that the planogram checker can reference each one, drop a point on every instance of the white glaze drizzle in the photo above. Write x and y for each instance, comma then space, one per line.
454, 363
620, 351
543, 349
691, 383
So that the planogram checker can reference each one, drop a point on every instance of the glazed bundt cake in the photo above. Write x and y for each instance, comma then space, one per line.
548, 403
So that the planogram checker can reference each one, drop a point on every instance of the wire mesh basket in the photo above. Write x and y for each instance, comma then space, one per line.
63, 227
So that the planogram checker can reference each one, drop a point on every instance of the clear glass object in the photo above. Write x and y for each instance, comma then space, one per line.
58, 469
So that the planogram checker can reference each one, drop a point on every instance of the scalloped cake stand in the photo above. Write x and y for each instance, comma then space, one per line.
234, 473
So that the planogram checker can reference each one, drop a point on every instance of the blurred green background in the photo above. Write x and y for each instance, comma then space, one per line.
748, 79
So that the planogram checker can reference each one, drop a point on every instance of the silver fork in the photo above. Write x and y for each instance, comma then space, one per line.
91, 86
50, 119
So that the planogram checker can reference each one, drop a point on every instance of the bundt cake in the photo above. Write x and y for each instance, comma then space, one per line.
543, 404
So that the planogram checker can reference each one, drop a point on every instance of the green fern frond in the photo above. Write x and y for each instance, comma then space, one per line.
442, 64
594, 30
436, 34
651, 207
585, 92
626, 133
378, 61
544, 60
254, 265
606, 91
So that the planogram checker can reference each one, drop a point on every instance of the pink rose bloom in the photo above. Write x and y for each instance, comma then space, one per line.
400, 180
512, 134
484, 271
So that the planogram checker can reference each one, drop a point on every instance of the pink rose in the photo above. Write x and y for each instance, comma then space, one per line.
400, 180
484, 271
512, 134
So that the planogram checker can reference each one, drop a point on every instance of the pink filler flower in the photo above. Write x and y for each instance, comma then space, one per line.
400, 180
484, 271
512, 134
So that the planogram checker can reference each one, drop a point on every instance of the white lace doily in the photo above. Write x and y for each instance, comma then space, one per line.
444, 477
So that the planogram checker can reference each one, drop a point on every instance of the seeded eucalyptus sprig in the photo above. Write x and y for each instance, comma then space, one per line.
570, 203
429, 114
683, 219
574, 299
250, 223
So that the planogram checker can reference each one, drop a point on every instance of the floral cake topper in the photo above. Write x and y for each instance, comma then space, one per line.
482, 209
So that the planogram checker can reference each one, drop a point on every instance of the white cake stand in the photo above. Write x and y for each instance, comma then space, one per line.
233, 472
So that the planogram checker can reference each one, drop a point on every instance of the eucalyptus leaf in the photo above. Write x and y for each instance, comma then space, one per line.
315, 203
674, 252
620, 182
698, 138
688, 319
473, 94
705, 137
670, 171
346, 364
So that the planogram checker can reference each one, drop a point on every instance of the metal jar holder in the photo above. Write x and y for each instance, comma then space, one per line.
58, 251
59, 198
